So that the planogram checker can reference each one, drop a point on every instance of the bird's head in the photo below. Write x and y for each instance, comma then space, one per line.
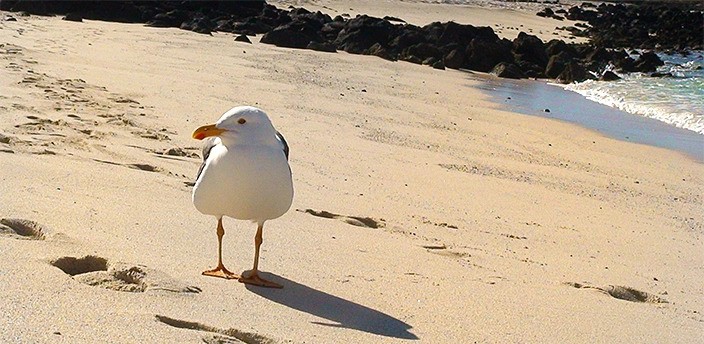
242, 123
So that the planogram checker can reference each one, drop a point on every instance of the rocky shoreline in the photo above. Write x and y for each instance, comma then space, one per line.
611, 28
665, 26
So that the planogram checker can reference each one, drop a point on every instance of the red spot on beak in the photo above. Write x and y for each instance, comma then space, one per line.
200, 136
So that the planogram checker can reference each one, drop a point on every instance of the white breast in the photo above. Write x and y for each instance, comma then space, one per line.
245, 182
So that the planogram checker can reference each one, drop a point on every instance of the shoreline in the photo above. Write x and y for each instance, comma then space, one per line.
532, 97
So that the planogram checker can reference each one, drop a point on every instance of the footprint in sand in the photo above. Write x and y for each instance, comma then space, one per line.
98, 271
123, 100
8, 140
143, 167
217, 335
119, 120
42, 124
23, 229
621, 292
441, 249
358, 221
152, 135
178, 152
427, 221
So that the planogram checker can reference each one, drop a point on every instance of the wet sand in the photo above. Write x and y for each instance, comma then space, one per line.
533, 97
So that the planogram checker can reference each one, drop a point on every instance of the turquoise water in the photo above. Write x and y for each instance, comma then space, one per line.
676, 100
533, 97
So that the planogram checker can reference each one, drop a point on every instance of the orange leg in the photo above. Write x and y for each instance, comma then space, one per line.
252, 277
220, 271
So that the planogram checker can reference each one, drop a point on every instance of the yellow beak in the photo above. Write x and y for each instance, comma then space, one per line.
206, 131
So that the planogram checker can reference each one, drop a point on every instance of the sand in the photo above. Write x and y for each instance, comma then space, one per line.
423, 212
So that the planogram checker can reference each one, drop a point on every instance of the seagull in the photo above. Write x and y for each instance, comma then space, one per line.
245, 175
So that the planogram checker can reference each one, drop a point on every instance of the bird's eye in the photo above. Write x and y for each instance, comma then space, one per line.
241, 121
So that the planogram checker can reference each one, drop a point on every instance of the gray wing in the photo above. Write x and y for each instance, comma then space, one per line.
208, 145
281, 139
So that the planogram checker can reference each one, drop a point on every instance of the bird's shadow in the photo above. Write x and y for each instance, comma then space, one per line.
341, 312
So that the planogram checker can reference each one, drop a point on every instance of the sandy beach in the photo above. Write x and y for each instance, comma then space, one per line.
423, 212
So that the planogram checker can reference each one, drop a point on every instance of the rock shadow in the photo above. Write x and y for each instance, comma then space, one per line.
341, 312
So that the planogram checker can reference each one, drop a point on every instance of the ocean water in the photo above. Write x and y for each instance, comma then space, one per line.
539, 98
676, 100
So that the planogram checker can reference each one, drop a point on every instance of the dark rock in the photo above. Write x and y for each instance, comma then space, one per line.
617, 55
389, 18
645, 24
322, 46
283, 37
455, 59
483, 54
439, 65
546, 110
661, 75
407, 37
454, 33
546, 12
598, 54
295, 34
447, 48
556, 46
170, 19
432, 31
135, 11
531, 70
360, 33
573, 72
251, 27
330, 30
625, 64
10, 18
598, 58
298, 11
411, 59
609, 76
423, 51
378, 50
74, 17
224, 25
531, 49
318, 17
575, 31
200, 25
576, 13
557, 64
507, 70
648, 62
665, 26
243, 38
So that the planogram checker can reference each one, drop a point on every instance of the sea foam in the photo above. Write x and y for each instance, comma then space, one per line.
677, 100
